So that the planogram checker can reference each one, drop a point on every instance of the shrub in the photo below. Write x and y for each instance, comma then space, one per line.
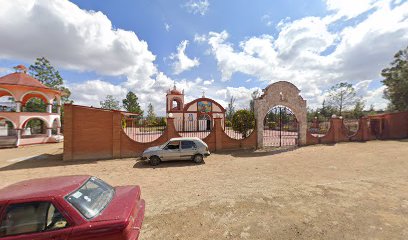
243, 121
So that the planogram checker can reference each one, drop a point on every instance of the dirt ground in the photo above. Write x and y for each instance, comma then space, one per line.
342, 191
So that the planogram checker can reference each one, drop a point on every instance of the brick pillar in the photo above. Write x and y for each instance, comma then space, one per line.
364, 124
171, 128
337, 127
116, 130
68, 132
218, 133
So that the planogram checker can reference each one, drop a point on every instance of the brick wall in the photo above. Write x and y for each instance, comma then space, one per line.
93, 133
384, 126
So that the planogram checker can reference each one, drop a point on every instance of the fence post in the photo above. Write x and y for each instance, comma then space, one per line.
218, 133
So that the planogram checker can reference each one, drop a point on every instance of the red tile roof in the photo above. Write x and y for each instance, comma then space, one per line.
20, 78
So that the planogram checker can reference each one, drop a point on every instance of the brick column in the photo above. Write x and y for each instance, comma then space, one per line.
68, 132
116, 130
337, 127
218, 133
171, 128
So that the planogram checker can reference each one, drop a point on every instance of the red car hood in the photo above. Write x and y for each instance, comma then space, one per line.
122, 205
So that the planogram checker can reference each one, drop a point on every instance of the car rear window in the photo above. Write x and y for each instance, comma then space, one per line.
92, 197
187, 145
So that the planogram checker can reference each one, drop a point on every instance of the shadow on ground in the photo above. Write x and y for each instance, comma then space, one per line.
167, 164
256, 153
44, 161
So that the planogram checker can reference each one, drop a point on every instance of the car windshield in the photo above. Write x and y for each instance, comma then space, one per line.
92, 197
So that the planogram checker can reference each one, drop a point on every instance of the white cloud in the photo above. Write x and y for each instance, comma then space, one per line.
313, 56
200, 38
181, 61
4, 71
197, 6
208, 82
167, 27
93, 91
349, 8
266, 19
70, 37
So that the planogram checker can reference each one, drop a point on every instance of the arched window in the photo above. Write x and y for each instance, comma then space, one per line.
176, 104
34, 126
7, 103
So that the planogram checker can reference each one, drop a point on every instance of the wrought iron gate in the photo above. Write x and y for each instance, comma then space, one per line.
281, 128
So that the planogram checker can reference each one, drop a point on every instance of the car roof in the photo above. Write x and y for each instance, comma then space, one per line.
42, 187
186, 139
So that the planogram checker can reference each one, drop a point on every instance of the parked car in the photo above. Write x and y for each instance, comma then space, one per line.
70, 208
177, 149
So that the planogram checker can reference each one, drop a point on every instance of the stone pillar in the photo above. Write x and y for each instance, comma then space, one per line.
59, 109
259, 123
18, 106
49, 108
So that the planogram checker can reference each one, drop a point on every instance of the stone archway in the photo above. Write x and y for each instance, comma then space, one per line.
281, 94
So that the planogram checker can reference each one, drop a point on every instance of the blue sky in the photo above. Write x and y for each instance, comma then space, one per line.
224, 48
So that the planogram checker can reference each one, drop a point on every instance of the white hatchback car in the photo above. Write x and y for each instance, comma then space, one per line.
184, 148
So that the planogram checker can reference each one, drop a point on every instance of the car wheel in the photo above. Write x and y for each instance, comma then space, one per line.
154, 161
198, 158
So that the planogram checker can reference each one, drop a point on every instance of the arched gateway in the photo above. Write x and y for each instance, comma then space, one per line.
281, 99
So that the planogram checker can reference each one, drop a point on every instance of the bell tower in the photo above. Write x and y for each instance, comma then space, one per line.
174, 100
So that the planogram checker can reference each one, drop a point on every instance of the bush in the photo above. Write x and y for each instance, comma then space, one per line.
228, 123
272, 125
243, 121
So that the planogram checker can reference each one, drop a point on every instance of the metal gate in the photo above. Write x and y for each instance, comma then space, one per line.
281, 128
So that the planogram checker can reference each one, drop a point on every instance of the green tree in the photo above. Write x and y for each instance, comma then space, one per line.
131, 104
243, 121
342, 96
44, 72
230, 109
110, 103
358, 110
396, 81
151, 115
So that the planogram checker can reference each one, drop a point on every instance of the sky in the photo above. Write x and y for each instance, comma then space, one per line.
221, 49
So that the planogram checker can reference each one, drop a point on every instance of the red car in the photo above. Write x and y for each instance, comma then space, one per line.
70, 207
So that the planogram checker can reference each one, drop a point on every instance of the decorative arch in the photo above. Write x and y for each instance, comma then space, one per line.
32, 94
47, 123
8, 91
7, 119
281, 93
203, 99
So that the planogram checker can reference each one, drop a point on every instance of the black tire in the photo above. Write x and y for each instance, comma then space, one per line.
154, 160
198, 158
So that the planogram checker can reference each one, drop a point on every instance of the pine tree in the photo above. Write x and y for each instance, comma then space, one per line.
151, 115
131, 104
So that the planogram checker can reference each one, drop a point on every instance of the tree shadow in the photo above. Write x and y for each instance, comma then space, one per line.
167, 164
44, 161
257, 153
